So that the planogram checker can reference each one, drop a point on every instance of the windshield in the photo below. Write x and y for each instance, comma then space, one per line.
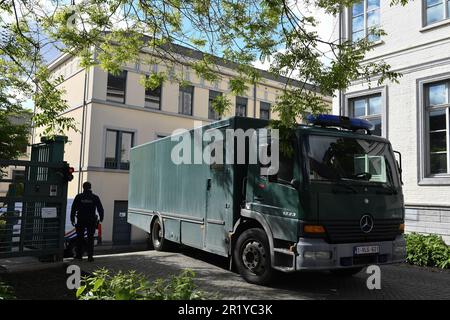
338, 158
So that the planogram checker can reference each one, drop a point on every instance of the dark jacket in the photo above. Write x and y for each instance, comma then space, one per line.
84, 206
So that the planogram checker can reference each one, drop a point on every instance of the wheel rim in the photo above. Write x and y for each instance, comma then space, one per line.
157, 235
254, 256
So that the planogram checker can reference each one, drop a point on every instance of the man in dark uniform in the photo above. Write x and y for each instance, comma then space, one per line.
83, 208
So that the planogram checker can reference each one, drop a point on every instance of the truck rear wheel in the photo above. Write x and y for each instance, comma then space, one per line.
252, 256
158, 241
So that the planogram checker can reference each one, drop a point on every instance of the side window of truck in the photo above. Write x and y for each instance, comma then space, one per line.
285, 172
286, 169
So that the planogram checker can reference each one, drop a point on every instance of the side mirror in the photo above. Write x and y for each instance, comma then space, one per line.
272, 175
295, 183
399, 164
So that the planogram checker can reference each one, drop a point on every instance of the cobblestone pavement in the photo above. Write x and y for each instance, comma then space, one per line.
397, 281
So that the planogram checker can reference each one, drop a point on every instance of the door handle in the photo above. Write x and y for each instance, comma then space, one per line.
208, 184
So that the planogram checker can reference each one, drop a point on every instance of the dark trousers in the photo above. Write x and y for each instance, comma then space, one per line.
81, 227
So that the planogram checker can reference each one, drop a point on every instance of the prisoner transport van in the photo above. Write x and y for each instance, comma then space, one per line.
335, 203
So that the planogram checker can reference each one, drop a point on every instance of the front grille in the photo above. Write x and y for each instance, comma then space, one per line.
349, 232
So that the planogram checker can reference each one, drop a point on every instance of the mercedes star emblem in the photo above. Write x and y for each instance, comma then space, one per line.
366, 223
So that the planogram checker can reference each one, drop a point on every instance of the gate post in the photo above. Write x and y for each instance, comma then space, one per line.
50, 150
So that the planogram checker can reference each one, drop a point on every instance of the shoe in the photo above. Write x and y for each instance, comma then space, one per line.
91, 259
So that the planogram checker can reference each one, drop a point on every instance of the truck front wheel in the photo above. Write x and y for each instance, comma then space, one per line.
252, 256
158, 241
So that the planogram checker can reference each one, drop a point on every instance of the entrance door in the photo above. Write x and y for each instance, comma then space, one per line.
121, 228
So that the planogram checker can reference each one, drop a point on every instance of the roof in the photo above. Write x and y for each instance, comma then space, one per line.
198, 55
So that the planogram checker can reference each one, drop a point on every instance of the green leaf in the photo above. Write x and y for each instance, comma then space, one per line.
98, 283
80, 291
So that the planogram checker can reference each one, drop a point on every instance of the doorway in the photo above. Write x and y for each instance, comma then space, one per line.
121, 227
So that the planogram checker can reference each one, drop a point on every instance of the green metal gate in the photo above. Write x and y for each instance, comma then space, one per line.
33, 198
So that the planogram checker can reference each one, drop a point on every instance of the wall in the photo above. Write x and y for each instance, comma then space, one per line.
417, 53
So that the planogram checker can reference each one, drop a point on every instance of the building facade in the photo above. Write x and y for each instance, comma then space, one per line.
115, 113
414, 113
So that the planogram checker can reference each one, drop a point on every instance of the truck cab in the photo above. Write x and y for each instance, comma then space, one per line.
335, 203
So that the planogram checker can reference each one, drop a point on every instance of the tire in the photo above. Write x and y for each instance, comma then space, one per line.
252, 256
346, 272
158, 241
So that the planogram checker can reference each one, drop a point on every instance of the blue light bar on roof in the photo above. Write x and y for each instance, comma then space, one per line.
328, 120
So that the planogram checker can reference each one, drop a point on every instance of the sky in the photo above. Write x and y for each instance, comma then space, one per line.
327, 25
325, 29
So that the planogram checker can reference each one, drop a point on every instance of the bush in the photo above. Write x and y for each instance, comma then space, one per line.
133, 286
6, 292
427, 250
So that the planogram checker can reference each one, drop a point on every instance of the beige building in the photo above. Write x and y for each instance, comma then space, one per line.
115, 113
15, 173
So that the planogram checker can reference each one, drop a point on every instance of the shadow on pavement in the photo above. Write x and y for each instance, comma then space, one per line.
212, 275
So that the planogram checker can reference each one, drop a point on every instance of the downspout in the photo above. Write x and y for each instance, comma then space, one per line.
80, 166
33, 129
254, 100
340, 42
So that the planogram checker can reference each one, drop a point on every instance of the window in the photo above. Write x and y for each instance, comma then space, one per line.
115, 90
437, 105
18, 175
153, 98
118, 145
286, 169
212, 114
264, 110
436, 10
365, 18
332, 158
369, 108
185, 100
241, 106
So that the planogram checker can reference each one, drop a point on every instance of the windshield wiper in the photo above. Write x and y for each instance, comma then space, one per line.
363, 176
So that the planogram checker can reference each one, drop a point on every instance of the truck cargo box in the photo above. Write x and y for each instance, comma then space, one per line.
198, 203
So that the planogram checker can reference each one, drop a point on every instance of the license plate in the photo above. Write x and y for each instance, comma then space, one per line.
366, 250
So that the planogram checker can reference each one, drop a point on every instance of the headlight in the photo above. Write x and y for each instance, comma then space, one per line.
323, 255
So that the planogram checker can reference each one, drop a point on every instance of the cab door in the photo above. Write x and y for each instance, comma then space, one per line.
277, 197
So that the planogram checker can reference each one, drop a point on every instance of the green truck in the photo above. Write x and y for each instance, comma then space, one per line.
335, 203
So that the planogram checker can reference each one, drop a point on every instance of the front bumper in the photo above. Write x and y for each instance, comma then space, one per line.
316, 254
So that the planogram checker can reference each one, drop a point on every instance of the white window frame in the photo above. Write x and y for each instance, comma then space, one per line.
424, 176
180, 107
119, 130
160, 97
108, 92
246, 104
349, 97
365, 15
444, 20
269, 109
212, 114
